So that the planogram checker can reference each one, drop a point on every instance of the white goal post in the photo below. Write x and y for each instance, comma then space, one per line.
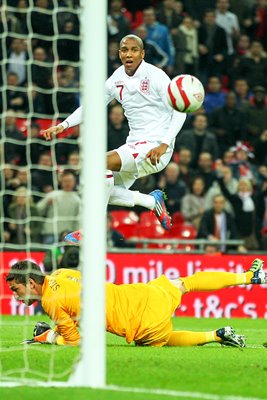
91, 369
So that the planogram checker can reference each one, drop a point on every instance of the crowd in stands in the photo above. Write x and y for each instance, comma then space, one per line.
217, 178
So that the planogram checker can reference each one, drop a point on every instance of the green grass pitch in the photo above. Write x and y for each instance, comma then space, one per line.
209, 372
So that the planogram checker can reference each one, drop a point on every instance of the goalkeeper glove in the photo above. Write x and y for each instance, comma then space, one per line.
42, 333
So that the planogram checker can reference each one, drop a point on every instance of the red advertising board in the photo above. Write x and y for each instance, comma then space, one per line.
242, 301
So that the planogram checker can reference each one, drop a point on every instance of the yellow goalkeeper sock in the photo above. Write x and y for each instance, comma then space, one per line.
188, 338
207, 281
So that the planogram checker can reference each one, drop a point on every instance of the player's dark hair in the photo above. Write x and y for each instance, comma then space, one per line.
24, 270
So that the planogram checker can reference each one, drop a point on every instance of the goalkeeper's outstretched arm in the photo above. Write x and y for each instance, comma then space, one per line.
74, 119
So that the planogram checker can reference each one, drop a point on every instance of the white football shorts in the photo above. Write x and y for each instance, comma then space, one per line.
134, 164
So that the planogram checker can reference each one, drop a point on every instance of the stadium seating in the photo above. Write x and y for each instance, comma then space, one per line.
177, 218
147, 218
126, 222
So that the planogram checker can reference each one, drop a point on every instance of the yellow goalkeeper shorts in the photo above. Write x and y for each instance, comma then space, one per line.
156, 325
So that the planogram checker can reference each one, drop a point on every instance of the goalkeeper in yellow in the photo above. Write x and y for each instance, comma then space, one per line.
139, 312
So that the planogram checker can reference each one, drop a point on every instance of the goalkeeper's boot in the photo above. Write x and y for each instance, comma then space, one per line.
73, 237
160, 210
259, 276
230, 338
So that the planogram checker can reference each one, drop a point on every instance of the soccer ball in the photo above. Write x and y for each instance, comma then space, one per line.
185, 93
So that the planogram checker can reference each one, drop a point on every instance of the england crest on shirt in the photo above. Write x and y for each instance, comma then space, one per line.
145, 86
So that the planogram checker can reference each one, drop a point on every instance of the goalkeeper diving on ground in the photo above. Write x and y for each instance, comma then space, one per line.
139, 312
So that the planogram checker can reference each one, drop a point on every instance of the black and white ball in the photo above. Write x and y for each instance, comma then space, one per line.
185, 93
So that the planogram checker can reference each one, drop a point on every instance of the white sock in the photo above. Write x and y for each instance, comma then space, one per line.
145, 200
121, 196
109, 185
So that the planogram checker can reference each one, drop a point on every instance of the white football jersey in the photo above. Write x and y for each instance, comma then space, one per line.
143, 97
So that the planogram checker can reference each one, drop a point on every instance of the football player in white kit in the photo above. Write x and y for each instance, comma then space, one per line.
141, 89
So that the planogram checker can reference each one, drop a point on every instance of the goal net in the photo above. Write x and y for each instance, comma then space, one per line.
43, 193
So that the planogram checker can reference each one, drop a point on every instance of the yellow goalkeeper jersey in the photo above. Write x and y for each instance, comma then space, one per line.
139, 312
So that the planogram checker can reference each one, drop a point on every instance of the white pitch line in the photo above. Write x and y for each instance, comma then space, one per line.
114, 388
178, 393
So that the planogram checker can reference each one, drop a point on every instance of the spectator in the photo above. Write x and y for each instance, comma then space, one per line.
240, 8
70, 75
146, 184
113, 57
241, 166
73, 161
228, 123
159, 34
242, 47
21, 178
66, 146
168, 16
15, 96
215, 97
153, 53
42, 175
261, 148
21, 15
67, 100
253, 66
245, 212
13, 141
212, 48
114, 237
70, 257
261, 214
41, 73
17, 60
230, 183
193, 204
255, 20
73, 164
39, 103
217, 223
26, 227
229, 22
205, 169
241, 89
53, 257
197, 9
257, 115
61, 209
118, 24
190, 55
133, 12
69, 49
228, 157
42, 23
174, 186
198, 140
37, 146
117, 127
184, 163
7, 185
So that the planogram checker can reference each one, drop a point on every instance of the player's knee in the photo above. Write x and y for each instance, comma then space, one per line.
113, 161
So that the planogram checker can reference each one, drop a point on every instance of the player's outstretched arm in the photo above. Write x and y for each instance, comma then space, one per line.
73, 119
53, 131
